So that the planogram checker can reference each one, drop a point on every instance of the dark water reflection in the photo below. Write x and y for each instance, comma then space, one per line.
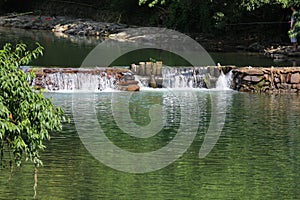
69, 51
59, 49
256, 157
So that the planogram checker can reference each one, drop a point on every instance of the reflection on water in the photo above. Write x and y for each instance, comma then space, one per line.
242, 59
63, 50
59, 51
256, 157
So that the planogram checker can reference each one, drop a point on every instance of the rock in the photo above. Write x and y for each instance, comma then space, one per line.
285, 86
255, 47
133, 88
293, 90
62, 25
81, 33
282, 78
128, 82
153, 82
256, 79
294, 86
288, 78
247, 78
254, 71
295, 78
276, 80
71, 31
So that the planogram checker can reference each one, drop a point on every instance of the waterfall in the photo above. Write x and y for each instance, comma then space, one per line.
196, 77
224, 81
188, 77
75, 82
94, 80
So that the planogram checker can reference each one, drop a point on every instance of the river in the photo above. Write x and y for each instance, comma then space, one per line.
69, 51
253, 149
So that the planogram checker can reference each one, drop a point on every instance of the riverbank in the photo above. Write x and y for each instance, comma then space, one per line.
62, 24
81, 27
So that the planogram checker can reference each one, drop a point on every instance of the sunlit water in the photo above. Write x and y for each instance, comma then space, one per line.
256, 157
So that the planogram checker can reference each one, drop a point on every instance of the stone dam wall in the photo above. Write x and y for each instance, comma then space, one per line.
266, 80
149, 74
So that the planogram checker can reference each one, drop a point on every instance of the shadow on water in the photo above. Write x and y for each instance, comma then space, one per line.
241, 59
59, 49
70, 51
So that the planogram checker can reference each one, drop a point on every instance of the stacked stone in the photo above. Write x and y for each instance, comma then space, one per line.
268, 80
150, 73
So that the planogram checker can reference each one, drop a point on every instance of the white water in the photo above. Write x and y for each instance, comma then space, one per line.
183, 77
224, 81
175, 78
64, 82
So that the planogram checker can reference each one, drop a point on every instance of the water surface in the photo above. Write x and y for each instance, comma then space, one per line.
70, 51
256, 156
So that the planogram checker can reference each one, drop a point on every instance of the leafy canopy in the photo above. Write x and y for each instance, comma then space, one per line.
26, 117
152, 3
253, 4
249, 4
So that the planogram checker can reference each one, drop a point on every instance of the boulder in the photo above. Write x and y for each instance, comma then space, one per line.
247, 78
256, 79
254, 71
128, 82
295, 78
133, 88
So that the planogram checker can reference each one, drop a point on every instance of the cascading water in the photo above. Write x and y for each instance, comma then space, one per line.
224, 81
183, 77
80, 81
196, 77
94, 80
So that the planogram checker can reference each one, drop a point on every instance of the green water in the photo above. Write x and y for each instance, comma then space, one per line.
68, 51
256, 157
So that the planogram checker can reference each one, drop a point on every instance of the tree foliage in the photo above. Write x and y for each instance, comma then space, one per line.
254, 4
249, 4
152, 3
210, 17
26, 117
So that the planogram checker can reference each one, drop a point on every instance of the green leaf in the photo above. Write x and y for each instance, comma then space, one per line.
26, 117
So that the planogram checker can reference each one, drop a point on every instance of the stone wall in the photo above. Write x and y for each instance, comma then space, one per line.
147, 68
246, 79
267, 80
